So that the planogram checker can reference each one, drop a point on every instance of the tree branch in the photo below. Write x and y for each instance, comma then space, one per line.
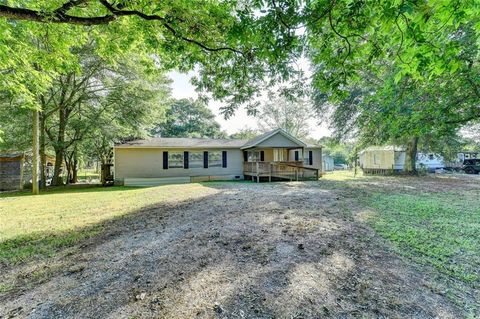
154, 17
60, 16
53, 17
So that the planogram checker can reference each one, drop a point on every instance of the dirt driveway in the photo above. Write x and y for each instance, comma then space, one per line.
280, 250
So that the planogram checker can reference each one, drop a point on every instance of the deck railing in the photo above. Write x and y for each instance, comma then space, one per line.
293, 171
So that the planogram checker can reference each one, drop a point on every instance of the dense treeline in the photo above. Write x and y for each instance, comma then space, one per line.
393, 71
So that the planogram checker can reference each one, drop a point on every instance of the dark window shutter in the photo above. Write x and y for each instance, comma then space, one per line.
224, 158
205, 159
245, 156
262, 156
165, 160
185, 159
310, 157
296, 156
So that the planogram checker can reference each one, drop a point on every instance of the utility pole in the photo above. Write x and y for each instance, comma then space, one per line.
35, 148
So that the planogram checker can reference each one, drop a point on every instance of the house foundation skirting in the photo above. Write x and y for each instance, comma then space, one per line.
382, 171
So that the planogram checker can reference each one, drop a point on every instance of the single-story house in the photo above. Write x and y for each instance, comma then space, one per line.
275, 155
328, 163
391, 159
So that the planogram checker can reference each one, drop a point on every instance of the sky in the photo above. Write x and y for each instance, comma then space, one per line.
182, 88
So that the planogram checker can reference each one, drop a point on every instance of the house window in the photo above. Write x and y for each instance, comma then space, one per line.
175, 159
307, 157
253, 156
215, 159
376, 159
195, 159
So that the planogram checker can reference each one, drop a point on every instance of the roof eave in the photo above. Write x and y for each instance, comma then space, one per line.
272, 133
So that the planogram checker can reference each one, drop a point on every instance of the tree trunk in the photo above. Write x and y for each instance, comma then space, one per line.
67, 167
35, 148
59, 148
411, 156
43, 157
71, 166
75, 169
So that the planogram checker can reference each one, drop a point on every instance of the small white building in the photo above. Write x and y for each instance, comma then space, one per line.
327, 163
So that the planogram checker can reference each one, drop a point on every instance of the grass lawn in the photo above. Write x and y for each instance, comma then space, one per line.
221, 236
88, 175
439, 229
36, 226
435, 228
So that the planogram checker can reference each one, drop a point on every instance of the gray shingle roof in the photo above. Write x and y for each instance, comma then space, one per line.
183, 142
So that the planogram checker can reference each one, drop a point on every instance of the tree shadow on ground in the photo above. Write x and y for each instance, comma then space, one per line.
250, 251
83, 188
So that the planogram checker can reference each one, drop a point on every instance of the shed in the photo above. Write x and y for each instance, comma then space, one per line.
382, 159
11, 171
327, 163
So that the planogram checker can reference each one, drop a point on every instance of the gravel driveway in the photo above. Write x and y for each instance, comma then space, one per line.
280, 250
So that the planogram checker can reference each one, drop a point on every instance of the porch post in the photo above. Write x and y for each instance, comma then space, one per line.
258, 173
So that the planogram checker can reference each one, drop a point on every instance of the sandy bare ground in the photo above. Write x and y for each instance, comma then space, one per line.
280, 250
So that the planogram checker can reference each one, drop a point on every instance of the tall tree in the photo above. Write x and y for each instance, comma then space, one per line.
188, 118
99, 97
230, 45
246, 51
245, 134
290, 115
380, 107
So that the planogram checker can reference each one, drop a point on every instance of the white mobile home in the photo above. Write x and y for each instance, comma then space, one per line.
391, 159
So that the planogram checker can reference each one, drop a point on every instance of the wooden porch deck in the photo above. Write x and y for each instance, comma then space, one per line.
291, 171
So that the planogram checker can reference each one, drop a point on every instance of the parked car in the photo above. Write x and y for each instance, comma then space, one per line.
471, 166
340, 167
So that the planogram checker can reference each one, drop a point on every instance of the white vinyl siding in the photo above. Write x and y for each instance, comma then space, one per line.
148, 163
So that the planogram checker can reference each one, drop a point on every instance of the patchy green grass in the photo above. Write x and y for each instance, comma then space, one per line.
38, 226
88, 175
4, 287
343, 175
437, 229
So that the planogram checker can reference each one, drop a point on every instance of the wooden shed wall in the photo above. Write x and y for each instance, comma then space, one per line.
385, 159
10, 173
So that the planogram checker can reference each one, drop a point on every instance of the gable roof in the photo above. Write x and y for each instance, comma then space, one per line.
183, 142
259, 139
